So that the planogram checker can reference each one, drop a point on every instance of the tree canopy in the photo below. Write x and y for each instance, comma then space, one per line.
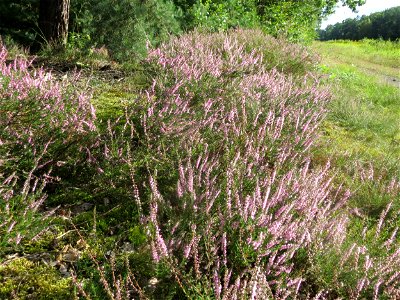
385, 25
125, 27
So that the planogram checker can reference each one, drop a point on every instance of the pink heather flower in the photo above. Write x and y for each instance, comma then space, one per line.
217, 285
160, 244
154, 252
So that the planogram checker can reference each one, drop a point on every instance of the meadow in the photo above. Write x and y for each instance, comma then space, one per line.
223, 166
362, 128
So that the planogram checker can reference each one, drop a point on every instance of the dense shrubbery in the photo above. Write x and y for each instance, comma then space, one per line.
126, 27
296, 20
247, 210
18, 19
219, 15
207, 167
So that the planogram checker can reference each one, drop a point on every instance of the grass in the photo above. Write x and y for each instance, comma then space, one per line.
373, 56
362, 129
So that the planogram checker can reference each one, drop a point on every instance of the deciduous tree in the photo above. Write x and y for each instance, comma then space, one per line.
53, 20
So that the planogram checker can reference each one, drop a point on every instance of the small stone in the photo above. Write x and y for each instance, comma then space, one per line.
153, 281
53, 263
81, 244
64, 271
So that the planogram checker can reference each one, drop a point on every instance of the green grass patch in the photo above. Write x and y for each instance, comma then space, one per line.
362, 131
384, 53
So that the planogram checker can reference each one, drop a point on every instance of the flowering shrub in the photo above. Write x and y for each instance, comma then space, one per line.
209, 167
249, 212
245, 239
246, 201
209, 52
42, 121
215, 85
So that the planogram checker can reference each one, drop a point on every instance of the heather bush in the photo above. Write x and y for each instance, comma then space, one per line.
208, 169
250, 216
245, 201
243, 237
365, 264
219, 53
230, 132
214, 88
218, 131
44, 124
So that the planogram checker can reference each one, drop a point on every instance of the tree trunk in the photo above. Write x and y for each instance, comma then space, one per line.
53, 21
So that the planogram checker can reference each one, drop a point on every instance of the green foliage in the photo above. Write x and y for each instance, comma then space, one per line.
222, 15
296, 20
384, 25
18, 19
126, 27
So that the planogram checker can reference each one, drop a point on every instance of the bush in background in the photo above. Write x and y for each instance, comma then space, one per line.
379, 25
223, 15
126, 28
18, 20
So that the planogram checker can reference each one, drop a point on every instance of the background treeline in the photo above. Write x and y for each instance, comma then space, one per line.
384, 25
126, 27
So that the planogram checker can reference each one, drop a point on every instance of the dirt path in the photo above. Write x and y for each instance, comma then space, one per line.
384, 77
385, 74
380, 64
391, 80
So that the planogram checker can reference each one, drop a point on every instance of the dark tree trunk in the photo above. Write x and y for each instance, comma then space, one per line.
53, 20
